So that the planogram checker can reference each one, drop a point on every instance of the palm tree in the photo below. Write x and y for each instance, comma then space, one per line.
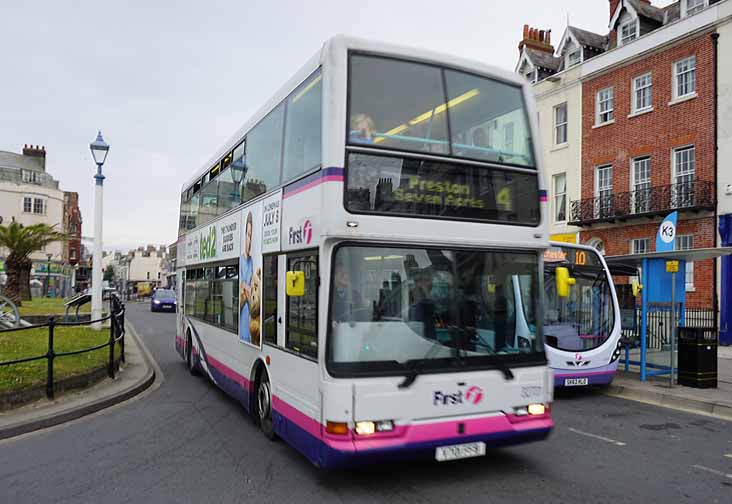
21, 241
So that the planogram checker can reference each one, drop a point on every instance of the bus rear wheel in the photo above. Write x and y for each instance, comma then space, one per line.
190, 364
264, 406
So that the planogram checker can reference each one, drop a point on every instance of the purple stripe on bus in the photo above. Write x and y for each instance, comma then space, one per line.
332, 174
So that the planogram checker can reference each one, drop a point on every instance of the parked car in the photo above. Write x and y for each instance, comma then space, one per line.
163, 299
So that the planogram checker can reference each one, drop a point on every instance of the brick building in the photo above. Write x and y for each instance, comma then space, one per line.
648, 136
72, 227
654, 127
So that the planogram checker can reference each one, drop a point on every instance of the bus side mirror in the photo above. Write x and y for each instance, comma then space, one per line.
564, 281
636, 288
295, 283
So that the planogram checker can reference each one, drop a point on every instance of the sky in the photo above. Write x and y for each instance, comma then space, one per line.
168, 82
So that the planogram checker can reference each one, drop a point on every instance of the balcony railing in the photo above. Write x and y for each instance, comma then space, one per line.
694, 196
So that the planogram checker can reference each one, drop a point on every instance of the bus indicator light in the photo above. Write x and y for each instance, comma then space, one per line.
339, 428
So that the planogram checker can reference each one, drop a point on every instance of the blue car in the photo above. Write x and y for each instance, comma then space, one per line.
163, 300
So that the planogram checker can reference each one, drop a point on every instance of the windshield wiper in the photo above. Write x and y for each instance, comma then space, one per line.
415, 369
503, 367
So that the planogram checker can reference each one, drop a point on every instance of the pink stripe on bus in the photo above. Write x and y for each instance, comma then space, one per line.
230, 373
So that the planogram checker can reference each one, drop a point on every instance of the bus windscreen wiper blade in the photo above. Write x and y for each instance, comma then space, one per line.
414, 368
503, 367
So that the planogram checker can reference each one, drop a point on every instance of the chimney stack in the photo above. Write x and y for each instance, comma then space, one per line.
540, 40
35, 151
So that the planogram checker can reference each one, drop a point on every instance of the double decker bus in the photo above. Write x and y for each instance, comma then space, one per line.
582, 325
350, 261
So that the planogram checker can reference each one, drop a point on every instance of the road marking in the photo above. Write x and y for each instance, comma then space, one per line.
595, 436
712, 471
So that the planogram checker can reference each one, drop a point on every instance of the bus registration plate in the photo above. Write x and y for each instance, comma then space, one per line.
460, 451
575, 382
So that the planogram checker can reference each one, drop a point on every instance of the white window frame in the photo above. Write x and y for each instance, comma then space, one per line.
626, 39
29, 200
558, 126
686, 242
574, 62
638, 241
640, 185
508, 136
677, 74
610, 111
43, 206
557, 196
603, 207
699, 5
640, 84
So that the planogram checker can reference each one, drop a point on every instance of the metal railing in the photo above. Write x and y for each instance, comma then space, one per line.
649, 201
116, 336
660, 323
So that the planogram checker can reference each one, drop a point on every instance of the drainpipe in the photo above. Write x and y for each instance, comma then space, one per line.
715, 71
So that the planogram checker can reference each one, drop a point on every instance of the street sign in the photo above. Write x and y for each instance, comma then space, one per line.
666, 237
672, 266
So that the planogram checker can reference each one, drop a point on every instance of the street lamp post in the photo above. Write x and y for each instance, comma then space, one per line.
48, 275
99, 150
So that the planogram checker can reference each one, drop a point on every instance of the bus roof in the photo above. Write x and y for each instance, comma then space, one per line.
340, 44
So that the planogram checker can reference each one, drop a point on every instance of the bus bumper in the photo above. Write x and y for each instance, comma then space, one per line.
420, 441
594, 376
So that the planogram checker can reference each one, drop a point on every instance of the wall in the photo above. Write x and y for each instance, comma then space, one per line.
724, 125
139, 266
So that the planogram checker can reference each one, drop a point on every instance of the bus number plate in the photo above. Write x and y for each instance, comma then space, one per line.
575, 382
461, 451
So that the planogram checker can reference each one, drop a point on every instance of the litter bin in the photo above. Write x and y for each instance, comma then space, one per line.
698, 357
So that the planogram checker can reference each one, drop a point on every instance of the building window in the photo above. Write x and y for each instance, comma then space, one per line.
560, 124
72, 254
148, 275
686, 242
604, 191
694, 6
39, 206
31, 177
684, 171
641, 185
640, 245
560, 197
628, 31
685, 77
575, 58
27, 204
605, 105
642, 93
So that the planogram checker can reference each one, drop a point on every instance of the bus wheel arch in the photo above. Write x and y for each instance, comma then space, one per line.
261, 401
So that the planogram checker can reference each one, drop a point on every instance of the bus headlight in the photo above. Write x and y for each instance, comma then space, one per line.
536, 409
368, 428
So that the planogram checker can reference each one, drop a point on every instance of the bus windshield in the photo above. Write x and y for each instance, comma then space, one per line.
585, 319
408, 106
394, 308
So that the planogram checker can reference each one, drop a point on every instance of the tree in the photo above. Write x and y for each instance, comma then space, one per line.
22, 241
109, 274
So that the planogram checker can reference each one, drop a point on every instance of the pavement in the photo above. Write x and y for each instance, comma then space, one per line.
186, 441
135, 376
657, 390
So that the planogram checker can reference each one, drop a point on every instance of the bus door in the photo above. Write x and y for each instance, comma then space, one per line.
296, 379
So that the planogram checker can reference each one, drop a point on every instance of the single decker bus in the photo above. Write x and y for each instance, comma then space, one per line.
349, 262
582, 325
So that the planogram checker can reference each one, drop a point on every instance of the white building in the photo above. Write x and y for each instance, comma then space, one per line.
29, 195
558, 91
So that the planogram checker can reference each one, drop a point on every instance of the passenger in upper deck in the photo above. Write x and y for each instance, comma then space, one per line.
362, 129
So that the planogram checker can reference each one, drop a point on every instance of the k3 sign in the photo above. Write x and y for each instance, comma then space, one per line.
666, 237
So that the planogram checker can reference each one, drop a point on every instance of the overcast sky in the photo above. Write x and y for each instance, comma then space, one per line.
168, 82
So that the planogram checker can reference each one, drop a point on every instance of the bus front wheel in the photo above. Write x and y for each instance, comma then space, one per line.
264, 405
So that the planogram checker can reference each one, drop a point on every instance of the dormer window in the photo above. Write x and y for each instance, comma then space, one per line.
628, 31
574, 58
694, 6
531, 75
